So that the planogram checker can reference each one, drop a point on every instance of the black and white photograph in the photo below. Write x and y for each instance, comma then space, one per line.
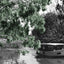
31, 31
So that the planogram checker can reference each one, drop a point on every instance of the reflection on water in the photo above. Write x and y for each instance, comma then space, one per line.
13, 57
43, 59
8, 56
10, 61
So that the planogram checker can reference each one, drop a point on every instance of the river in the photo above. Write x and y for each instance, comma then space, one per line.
51, 60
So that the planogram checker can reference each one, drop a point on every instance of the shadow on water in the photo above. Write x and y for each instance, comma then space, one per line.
50, 57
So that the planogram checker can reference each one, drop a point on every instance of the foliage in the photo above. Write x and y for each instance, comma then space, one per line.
38, 21
13, 13
31, 42
54, 26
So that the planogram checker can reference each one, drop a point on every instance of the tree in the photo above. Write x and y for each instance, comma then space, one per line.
14, 19
54, 26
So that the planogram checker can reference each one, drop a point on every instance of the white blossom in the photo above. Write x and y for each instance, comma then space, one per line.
22, 23
40, 12
16, 6
30, 28
8, 20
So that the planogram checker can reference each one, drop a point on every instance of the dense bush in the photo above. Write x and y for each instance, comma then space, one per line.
12, 14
